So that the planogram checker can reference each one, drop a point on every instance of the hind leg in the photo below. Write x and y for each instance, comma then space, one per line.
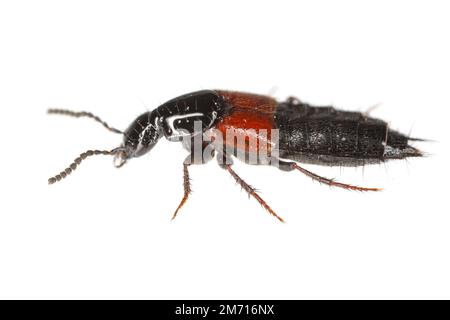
289, 166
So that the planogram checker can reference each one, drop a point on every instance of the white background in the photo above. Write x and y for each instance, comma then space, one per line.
106, 233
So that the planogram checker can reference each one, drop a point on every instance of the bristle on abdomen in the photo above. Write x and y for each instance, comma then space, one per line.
397, 147
401, 153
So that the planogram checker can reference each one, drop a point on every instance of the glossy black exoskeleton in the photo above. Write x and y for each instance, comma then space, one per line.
305, 134
326, 136
174, 120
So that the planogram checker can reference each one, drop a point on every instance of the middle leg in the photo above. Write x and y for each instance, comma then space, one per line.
248, 188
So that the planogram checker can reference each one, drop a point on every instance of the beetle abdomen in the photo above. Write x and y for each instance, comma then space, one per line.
324, 135
334, 137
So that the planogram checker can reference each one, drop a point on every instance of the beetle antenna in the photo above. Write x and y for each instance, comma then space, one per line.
80, 114
77, 162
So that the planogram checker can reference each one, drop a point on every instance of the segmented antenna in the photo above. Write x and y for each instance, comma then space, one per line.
77, 162
80, 114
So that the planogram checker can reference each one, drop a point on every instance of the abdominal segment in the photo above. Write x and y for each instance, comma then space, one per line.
333, 137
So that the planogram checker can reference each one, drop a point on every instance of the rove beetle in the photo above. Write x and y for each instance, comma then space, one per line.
269, 132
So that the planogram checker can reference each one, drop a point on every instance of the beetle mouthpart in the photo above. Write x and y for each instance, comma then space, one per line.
120, 158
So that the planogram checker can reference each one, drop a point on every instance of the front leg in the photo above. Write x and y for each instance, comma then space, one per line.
186, 184
207, 154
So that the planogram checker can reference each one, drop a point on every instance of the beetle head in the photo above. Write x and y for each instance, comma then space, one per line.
140, 137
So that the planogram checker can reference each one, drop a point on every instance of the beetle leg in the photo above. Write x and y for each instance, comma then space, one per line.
250, 190
289, 166
207, 154
187, 186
